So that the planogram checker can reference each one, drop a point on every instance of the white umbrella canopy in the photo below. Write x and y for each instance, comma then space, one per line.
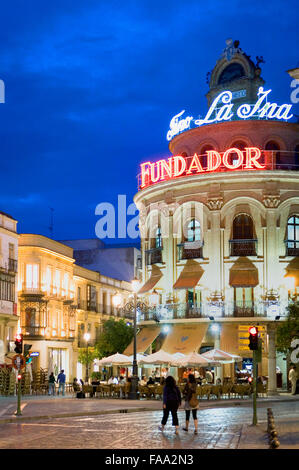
115, 359
157, 358
221, 356
194, 360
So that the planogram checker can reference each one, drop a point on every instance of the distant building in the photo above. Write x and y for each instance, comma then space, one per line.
120, 261
8, 293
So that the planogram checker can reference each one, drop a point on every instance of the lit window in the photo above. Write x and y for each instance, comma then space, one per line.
57, 279
293, 232
193, 231
31, 276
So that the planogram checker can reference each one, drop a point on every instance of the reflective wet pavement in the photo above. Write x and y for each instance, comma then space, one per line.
219, 428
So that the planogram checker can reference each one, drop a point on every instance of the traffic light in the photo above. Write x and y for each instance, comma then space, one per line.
19, 343
253, 338
26, 354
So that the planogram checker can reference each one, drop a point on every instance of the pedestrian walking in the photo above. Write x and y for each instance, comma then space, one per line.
191, 402
171, 402
293, 379
52, 384
61, 382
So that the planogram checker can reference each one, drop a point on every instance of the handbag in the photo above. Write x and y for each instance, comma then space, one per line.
193, 402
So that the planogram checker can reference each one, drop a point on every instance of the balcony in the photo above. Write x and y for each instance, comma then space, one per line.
43, 332
186, 251
12, 265
246, 247
204, 310
292, 247
153, 256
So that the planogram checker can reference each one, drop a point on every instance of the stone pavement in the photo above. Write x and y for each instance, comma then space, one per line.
223, 424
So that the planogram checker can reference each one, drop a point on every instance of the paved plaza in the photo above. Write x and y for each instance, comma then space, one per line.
125, 424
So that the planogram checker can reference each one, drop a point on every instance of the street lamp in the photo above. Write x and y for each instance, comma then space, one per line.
87, 338
131, 308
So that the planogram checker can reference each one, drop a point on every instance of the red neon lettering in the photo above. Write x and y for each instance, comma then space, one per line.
252, 159
165, 167
227, 154
177, 161
145, 173
195, 164
153, 177
212, 154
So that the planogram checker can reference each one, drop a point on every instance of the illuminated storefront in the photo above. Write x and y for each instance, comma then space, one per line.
219, 220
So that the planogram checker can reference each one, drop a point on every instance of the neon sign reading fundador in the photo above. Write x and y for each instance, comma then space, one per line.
174, 167
222, 110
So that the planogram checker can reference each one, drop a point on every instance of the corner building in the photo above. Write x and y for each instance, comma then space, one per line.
220, 248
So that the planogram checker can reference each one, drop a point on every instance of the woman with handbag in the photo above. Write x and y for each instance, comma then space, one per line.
191, 402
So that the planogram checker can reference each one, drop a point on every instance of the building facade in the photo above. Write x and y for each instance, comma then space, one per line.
8, 285
219, 222
59, 302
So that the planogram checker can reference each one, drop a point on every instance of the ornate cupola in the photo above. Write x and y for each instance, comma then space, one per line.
236, 72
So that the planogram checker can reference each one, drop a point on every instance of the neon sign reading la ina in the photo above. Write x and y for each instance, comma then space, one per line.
262, 109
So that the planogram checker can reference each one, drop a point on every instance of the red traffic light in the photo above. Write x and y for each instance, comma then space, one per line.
253, 330
18, 337
19, 376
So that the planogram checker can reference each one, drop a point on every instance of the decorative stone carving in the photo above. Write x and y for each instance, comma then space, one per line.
271, 200
215, 203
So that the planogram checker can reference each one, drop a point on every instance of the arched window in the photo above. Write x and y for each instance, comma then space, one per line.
233, 158
293, 236
296, 157
243, 243
231, 72
272, 145
158, 239
193, 233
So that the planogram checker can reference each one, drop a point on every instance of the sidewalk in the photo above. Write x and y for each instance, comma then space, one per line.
40, 407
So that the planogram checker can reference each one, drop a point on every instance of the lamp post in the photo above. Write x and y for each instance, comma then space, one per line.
87, 338
131, 308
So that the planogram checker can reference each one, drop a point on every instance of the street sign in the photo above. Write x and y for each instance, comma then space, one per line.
18, 361
34, 354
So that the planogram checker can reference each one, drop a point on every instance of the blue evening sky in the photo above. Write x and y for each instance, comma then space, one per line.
91, 86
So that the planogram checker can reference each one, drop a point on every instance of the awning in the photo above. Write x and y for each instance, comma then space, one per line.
190, 275
184, 338
143, 340
156, 275
292, 270
243, 273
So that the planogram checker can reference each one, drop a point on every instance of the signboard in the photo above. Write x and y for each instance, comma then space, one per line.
174, 167
243, 334
222, 110
18, 361
34, 354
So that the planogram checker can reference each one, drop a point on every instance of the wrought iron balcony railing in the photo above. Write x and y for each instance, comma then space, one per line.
240, 247
292, 247
185, 251
153, 256
12, 265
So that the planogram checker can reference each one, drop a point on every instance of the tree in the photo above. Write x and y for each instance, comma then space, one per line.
116, 336
288, 329
85, 359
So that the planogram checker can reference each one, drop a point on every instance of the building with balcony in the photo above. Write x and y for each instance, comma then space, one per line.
219, 223
59, 302
8, 287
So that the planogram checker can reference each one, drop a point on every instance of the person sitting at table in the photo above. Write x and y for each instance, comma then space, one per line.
209, 376
218, 381
76, 385
94, 384
122, 380
113, 380
142, 382
150, 381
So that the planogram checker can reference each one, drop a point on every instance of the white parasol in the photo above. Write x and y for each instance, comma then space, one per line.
115, 359
221, 356
158, 358
194, 360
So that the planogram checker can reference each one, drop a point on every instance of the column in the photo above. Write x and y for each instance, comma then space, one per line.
218, 370
215, 253
272, 387
169, 256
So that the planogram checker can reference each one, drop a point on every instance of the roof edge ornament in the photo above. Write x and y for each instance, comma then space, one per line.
232, 48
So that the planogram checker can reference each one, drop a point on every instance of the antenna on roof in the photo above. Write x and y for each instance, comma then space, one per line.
51, 227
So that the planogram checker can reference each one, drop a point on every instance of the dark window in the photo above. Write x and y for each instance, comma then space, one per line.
203, 153
271, 145
293, 236
231, 72
158, 238
243, 243
297, 156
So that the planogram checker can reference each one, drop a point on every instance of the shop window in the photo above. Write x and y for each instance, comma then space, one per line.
293, 236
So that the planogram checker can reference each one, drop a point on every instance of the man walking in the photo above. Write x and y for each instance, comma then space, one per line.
61, 382
293, 379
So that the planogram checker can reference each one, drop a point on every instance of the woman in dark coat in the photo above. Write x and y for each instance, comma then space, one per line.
189, 392
171, 402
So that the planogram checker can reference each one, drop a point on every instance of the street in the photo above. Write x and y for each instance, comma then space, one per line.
219, 428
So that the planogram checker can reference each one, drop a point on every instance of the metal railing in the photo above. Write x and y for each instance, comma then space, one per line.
292, 250
12, 265
153, 256
243, 247
206, 310
188, 253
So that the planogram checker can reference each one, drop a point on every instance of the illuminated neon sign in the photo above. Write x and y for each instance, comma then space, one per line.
222, 110
212, 161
